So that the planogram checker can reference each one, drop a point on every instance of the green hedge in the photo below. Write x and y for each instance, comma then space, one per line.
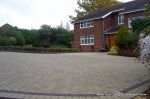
36, 49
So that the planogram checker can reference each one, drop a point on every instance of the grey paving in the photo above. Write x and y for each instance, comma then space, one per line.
67, 73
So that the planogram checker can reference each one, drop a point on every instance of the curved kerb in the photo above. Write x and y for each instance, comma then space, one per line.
129, 88
45, 94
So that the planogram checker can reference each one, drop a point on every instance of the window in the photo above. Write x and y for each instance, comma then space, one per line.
121, 19
87, 40
86, 24
131, 19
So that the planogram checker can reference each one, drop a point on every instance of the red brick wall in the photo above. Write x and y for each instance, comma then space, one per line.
130, 15
111, 20
97, 31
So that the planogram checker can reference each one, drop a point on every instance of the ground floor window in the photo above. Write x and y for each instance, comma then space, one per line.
87, 40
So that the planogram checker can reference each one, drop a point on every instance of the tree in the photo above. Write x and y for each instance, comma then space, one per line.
45, 37
61, 25
64, 39
85, 7
7, 41
67, 26
45, 26
139, 24
15, 32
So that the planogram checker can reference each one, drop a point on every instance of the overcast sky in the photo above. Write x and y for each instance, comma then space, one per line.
31, 14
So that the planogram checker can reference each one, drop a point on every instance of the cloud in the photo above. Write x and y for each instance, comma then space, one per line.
33, 13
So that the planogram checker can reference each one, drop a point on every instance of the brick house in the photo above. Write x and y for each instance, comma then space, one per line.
96, 31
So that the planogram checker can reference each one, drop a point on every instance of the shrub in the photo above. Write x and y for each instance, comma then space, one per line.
7, 41
139, 24
37, 49
64, 38
125, 38
130, 39
58, 46
28, 46
114, 50
120, 36
19, 37
11, 41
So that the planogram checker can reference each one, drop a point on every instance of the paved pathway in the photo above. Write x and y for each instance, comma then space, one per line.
68, 73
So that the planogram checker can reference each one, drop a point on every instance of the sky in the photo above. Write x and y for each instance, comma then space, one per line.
31, 14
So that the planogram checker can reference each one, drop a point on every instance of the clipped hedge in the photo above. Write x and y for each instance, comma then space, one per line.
36, 49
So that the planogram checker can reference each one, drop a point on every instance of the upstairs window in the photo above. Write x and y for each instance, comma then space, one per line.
87, 40
121, 19
131, 19
86, 24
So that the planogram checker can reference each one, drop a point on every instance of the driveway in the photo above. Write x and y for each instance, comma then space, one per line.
68, 72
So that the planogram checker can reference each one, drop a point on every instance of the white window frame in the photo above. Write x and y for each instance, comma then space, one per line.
131, 19
120, 19
87, 40
86, 24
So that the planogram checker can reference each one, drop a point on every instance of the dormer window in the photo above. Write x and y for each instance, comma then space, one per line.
86, 24
121, 19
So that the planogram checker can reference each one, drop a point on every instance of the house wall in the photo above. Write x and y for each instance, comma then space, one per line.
110, 40
130, 15
96, 31
110, 21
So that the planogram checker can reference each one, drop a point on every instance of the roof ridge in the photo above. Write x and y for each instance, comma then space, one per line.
128, 6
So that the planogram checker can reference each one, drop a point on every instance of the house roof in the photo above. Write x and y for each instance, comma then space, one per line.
136, 5
113, 30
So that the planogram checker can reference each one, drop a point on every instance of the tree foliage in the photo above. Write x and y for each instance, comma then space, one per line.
139, 24
7, 41
92, 5
18, 36
46, 36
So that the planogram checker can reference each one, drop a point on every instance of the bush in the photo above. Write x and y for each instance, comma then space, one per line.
113, 50
28, 46
64, 38
37, 49
139, 24
7, 41
58, 46
130, 39
125, 38
19, 37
